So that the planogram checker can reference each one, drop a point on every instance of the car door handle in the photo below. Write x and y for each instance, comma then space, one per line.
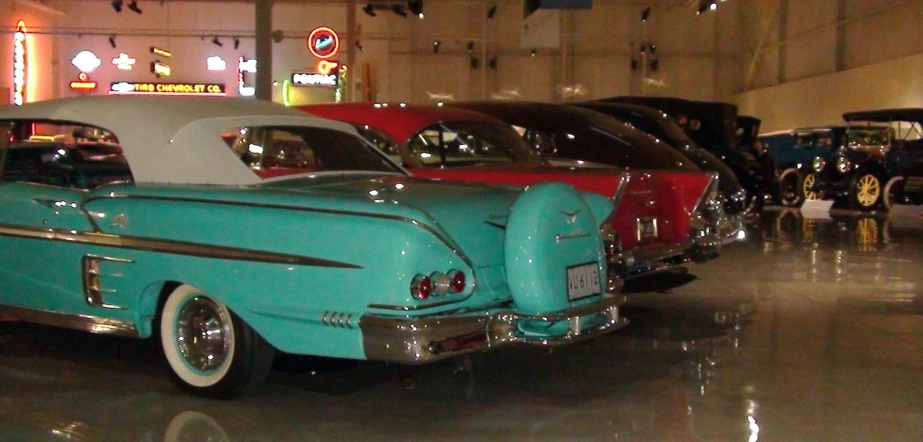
49, 203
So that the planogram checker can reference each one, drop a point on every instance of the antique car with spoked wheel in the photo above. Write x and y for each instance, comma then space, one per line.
173, 237
879, 148
662, 220
793, 152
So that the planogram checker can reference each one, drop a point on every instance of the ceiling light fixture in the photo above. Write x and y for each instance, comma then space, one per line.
217, 42
645, 14
436, 44
117, 5
416, 7
112, 41
399, 10
236, 42
133, 5
492, 12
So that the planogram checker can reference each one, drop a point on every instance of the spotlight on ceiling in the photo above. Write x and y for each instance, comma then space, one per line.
217, 42
416, 7
112, 41
133, 5
533, 52
399, 10
359, 45
470, 47
492, 12
368, 9
117, 5
645, 14
236, 42
436, 44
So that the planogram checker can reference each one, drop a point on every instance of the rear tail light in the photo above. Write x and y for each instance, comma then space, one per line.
421, 287
441, 283
458, 281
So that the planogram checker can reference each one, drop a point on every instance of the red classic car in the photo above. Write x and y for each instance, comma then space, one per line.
663, 219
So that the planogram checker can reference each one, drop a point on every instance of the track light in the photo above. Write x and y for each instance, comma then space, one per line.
133, 5
399, 10
117, 5
533, 52
416, 7
436, 44
236, 42
645, 14
112, 41
492, 12
359, 45
368, 9
492, 63
470, 47
217, 42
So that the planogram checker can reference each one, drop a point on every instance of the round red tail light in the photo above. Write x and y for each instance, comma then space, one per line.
458, 281
421, 287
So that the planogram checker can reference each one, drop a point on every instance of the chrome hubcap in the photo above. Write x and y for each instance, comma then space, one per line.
808, 184
202, 330
867, 190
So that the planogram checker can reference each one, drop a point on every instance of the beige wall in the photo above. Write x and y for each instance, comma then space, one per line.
823, 100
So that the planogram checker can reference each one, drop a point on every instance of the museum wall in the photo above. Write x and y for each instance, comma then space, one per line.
577, 55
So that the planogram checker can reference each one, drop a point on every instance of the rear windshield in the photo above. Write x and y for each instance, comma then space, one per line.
275, 151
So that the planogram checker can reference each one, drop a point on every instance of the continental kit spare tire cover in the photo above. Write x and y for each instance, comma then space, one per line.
551, 229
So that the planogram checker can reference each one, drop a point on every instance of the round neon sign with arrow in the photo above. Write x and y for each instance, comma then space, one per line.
324, 42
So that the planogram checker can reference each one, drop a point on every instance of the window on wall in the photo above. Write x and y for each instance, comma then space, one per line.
62, 154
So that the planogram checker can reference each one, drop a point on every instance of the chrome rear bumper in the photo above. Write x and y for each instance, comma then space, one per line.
417, 340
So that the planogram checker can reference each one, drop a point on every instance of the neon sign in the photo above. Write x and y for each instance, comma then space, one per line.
20, 64
215, 63
83, 83
188, 89
245, 66
314, 79
124, 62
159, 69
86, 61
323, 42
161, 52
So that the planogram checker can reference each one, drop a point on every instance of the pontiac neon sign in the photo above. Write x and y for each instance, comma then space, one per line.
83, 83
20, 64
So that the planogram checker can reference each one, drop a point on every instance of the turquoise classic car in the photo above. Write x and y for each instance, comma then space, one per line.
130, 216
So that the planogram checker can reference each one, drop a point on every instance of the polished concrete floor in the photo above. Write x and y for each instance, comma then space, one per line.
810, 331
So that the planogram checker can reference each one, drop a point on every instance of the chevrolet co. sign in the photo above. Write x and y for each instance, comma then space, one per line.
194, 89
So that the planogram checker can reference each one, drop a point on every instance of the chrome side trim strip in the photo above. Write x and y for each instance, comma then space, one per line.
407, 308
169, 246
85, 323
703, 200
450, 244
92, 287
620, 192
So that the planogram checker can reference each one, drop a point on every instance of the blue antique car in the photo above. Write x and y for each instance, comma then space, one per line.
870, 165
167, 234
793, 152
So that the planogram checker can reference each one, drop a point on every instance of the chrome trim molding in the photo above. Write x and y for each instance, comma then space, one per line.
92, 287
620, 192
415, 340
85, 323
337, 319
168, 246
407, 308
449, 243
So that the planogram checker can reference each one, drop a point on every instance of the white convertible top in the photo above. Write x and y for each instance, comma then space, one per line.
174, 139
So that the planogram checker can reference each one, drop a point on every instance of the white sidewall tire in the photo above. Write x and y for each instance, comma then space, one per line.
787, 172
168, 339
885, 196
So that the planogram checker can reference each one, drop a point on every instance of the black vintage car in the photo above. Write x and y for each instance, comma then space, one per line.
713, 126
870, 167
661, 126
572, 133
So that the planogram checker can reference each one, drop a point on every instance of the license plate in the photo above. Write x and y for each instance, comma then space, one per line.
647, 228
583, 281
